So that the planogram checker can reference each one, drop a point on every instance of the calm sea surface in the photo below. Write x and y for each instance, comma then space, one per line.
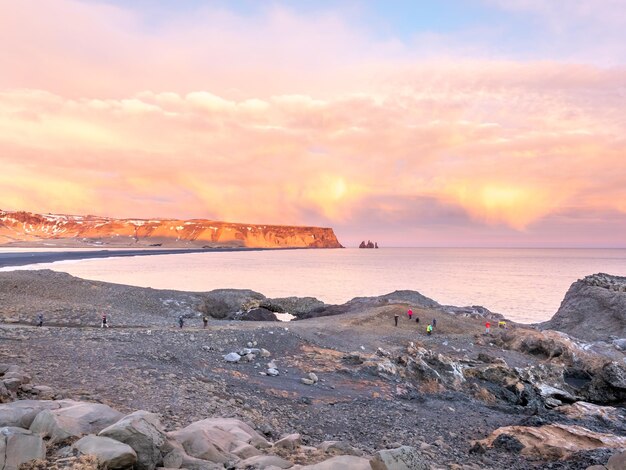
526, 285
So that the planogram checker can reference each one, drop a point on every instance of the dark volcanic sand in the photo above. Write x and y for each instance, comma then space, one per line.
21, 258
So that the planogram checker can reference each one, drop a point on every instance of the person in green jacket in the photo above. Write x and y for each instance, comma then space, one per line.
429, 330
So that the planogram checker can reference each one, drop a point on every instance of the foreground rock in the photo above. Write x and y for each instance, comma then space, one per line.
142, 431
18, 446
594, 308
552, 442
110, 453
76, 420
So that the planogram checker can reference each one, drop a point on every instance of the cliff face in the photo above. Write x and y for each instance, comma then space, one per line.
27, 229
594, 308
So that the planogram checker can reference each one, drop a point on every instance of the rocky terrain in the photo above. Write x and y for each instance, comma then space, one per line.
341, 387
33, 230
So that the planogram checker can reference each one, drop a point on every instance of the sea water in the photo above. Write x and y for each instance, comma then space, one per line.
526, 285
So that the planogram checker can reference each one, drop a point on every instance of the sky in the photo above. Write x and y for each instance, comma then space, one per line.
411, 123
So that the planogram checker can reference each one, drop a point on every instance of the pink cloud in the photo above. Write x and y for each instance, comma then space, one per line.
287, 123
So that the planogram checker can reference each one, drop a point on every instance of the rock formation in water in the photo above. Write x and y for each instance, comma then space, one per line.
27, 229
594, 308
369, 244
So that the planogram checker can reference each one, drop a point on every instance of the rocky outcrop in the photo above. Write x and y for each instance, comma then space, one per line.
26, 228
369, 244
594, 308
552, 442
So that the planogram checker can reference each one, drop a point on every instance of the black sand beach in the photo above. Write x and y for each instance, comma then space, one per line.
23, 258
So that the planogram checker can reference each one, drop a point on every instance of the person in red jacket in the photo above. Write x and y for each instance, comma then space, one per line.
487, 327
410, 314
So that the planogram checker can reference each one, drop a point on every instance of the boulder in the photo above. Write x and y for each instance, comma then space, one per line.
264, 461
401, 458
617, 461
258, 314
109, 452
74, 421
218, 440
582, 410
221, 303
339, 448
176, 457
232, 357
341, 462
593, 309
556, 441
18, 446
298, 306
21, 413
290, 442
143, 432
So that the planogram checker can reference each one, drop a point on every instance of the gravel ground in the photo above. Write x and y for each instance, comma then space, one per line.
144, 362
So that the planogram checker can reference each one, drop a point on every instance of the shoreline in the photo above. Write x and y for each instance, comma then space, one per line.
23, 258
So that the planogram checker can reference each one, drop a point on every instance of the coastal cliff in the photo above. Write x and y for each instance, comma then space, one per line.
593, 308
28, 229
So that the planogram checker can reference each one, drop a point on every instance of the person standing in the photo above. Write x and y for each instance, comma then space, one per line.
395, 317
181, 321
105, 322
40, 319
410, 314
429, 330
434, 323
205, 321
487, 327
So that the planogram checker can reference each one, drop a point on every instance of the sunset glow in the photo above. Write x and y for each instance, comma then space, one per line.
425, 134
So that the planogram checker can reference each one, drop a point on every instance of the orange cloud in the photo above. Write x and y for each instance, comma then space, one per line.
195, 122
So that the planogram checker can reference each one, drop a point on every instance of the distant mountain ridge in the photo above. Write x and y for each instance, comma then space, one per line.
34, 230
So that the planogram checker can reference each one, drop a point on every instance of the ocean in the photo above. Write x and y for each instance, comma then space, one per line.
526, 285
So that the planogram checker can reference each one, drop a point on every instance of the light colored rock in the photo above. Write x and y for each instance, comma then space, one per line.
306, 381
339, 447
109, 452
341, 462
290, 442
313, 377
401, 458
264, 462
556, 441
265, 353
218, 439
617, 461
273, 372
176, 457
21, 413
18, 446
44, 392
143, 432
547, 391
74, 421
232, 357
584, 410
387, 368
12, 385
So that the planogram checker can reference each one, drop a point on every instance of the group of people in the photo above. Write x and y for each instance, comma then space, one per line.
104, 320
409, 313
